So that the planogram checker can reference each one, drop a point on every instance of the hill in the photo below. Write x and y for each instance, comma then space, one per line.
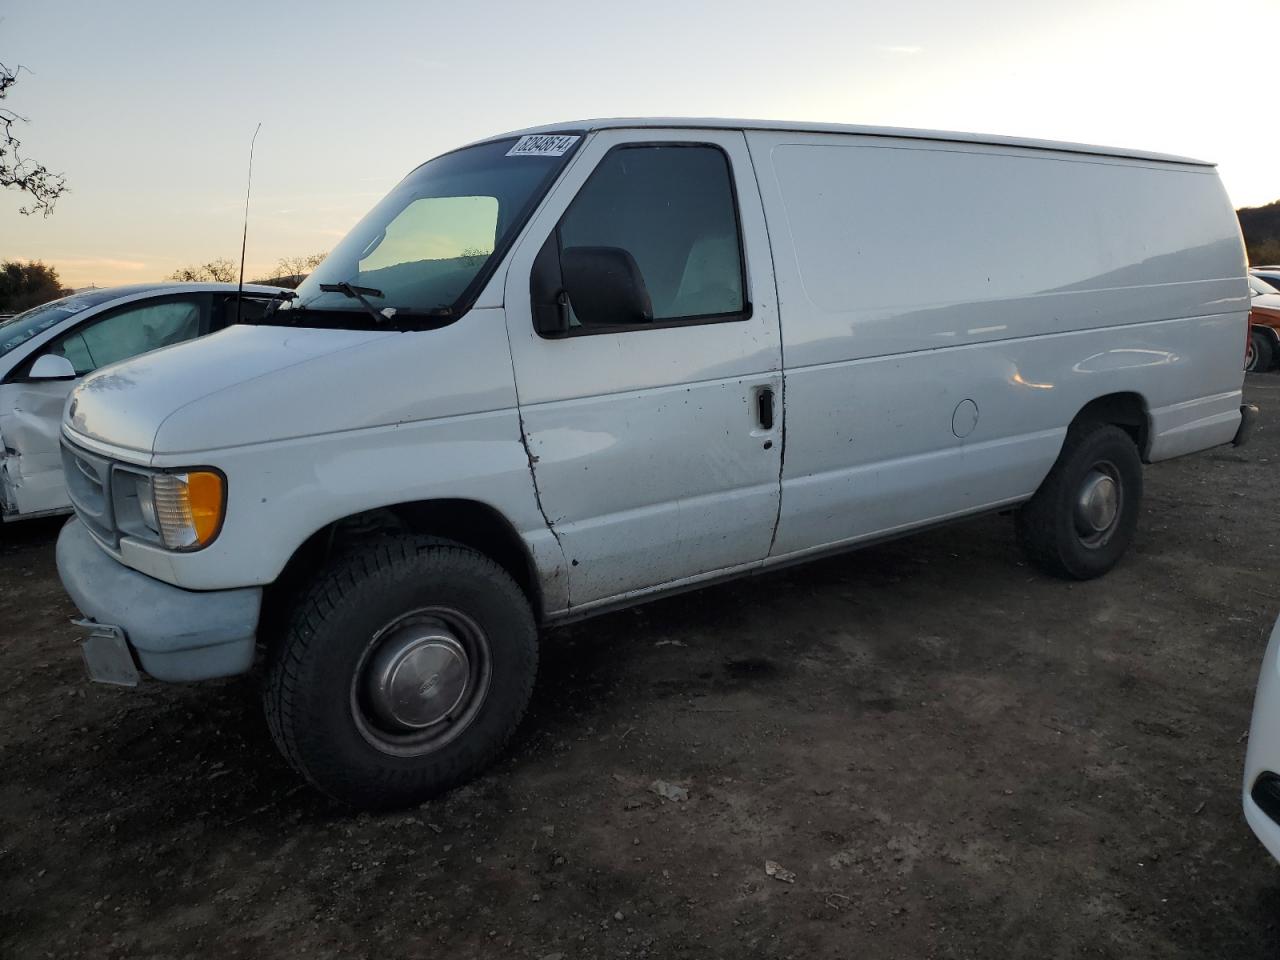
1261, 229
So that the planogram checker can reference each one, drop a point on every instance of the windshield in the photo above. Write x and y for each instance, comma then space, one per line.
1258, 286
430, 244
17, 330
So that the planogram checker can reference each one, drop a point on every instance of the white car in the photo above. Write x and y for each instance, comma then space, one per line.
1262, 760
1269, 274
44, 351
555, 372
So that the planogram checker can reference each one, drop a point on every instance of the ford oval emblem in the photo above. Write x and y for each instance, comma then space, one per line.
429, 685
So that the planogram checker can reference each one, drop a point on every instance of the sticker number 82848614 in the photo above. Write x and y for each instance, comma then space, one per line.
542, 145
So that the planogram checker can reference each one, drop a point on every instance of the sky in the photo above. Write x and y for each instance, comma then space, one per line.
148, 107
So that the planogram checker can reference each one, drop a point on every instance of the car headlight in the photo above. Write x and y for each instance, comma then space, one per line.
186, 509
146, 502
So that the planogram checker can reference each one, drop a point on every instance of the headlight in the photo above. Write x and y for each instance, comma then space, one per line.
184, 508
146, 502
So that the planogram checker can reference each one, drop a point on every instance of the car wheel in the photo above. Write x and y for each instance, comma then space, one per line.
404, 672
1082, 518
1260, 353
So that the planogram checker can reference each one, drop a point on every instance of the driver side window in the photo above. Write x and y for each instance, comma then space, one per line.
130, 331
669, 210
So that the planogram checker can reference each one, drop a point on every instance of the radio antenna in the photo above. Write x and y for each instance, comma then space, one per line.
244, 239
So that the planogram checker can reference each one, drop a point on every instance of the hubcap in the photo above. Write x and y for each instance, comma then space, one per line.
420, 681
1098, 504
417, 677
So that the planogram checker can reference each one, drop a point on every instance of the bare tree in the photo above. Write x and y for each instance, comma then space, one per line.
221, 270
291, 271
23, 174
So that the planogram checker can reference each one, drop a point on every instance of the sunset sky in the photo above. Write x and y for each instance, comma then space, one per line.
148, 107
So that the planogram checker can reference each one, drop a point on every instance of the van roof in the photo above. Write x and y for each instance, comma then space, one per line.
720, 123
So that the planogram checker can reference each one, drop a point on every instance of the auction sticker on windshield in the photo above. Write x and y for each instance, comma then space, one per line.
542, 145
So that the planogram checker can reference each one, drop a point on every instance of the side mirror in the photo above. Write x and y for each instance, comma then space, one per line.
51, 366
605, 286
546, 291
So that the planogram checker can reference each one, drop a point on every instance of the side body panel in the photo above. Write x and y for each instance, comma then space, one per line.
30, 424
651, 463
395, 418
31, 471
947, 309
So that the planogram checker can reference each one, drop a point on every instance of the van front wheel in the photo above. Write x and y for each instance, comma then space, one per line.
1082, 519
404, 672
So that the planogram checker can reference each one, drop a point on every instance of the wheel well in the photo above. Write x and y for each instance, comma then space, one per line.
469, 522
1126, 410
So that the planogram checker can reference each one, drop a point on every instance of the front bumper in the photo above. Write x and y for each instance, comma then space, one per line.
1263, 756
173, 634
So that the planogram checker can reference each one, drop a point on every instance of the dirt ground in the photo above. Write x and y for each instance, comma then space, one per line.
955, 755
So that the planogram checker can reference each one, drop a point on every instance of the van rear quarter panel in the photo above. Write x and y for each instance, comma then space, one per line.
914, 275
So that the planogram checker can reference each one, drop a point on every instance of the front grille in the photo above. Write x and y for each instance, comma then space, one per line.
88, 479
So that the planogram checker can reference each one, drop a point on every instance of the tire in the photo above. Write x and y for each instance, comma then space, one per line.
396, 745
1056, 528
1261, 353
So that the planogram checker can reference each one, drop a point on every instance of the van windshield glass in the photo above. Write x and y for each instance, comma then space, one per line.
427, 246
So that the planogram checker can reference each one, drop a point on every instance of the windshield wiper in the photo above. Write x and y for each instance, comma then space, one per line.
358, 293
277, 301
289, 306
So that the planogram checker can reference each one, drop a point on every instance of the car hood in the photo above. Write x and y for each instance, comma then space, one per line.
126, 404
258, 384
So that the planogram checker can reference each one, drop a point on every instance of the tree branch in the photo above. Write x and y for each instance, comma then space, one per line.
34, 179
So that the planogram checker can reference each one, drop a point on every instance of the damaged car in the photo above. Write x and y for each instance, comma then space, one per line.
46, 350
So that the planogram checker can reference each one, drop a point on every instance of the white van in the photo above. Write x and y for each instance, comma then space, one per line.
577, 367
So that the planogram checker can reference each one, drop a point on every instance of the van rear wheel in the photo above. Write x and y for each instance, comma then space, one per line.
1082, 519
404, 672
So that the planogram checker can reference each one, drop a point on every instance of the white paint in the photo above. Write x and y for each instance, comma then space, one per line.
30, 414
1264, 743
892, 277
651, 466
916, 275
31, 409
647, 124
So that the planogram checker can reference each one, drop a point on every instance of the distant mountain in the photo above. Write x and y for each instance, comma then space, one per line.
1261, 229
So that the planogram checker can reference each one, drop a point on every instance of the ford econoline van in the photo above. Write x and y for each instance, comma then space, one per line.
573, 368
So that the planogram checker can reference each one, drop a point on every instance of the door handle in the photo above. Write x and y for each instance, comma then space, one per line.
764, 408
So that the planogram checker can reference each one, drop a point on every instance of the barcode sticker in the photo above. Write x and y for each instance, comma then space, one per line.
542, 145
